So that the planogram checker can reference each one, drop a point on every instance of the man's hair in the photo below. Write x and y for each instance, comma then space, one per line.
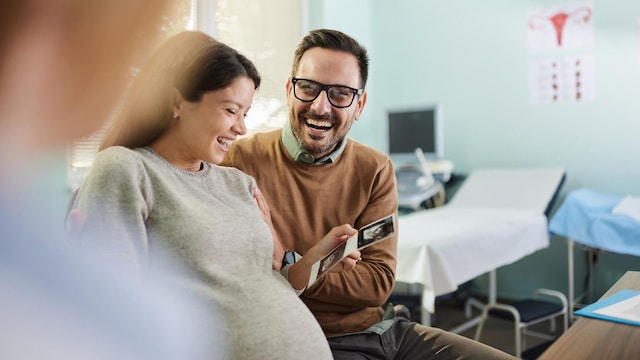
333, 40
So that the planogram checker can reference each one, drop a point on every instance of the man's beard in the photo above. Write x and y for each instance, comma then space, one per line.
299, 131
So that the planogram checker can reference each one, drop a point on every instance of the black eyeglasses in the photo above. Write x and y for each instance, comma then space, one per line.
339, 96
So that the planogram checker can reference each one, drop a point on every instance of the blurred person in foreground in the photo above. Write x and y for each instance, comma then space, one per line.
64, 65
313, 176
155, 191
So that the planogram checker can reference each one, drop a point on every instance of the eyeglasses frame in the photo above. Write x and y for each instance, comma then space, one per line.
326, 88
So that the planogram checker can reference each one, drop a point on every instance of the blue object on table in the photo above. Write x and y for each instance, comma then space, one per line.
585, 216
591, 310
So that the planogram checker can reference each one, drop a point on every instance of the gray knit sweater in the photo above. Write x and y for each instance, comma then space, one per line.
141, 210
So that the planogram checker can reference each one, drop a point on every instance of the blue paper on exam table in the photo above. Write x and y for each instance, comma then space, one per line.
586, 217
622, 295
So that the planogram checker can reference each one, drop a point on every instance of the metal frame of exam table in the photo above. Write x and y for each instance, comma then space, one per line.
570, 262
492, 202
589, 206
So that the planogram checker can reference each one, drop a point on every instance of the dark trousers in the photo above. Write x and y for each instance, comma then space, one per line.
410, 340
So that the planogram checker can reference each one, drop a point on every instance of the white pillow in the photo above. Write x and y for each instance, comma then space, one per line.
629, 206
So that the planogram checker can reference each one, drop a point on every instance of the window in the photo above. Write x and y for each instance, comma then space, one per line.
264, 31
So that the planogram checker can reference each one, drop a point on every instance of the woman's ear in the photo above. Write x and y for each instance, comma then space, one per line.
176, 103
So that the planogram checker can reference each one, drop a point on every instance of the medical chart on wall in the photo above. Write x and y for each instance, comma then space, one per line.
567, 79
552, 32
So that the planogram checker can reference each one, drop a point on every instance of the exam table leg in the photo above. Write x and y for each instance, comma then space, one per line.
570, 245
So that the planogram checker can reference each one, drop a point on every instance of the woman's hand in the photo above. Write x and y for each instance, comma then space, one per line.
278, 249
75, 226
300, 271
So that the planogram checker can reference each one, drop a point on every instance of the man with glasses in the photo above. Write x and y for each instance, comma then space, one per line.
315, 178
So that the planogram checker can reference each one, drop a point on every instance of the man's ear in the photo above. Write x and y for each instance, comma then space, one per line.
361, 102
288, 86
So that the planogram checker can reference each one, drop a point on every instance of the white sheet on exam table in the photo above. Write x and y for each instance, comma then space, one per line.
494, 219
459, 243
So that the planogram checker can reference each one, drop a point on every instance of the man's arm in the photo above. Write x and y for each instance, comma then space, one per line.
372, 280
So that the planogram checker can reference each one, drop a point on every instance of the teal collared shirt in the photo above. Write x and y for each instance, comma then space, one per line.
299, 154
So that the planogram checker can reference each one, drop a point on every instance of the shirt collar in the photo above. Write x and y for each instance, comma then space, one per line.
299, 154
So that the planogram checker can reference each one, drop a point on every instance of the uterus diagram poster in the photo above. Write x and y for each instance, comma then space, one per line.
563, 26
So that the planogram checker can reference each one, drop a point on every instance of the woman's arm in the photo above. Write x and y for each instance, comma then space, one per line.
109, 212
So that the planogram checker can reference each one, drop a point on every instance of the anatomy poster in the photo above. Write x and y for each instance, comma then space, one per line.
567, 79
561, 26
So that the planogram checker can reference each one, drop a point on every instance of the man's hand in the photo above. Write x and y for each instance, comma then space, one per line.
348, 263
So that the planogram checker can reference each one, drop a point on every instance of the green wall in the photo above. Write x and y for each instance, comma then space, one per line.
472, 57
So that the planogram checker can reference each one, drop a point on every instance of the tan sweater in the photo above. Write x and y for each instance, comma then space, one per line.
307, 201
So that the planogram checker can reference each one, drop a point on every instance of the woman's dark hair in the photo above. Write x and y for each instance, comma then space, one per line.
191, 62
333, 40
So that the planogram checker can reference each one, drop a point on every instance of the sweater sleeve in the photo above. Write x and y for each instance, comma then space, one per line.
113, 203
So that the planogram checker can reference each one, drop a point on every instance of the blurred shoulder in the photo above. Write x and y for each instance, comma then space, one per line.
118, 153
115, 161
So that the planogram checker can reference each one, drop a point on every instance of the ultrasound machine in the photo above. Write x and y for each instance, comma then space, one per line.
415, 145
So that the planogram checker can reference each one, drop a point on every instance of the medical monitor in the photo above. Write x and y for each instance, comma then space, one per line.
411, 128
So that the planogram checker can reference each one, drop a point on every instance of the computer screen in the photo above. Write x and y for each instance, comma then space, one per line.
408, 129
